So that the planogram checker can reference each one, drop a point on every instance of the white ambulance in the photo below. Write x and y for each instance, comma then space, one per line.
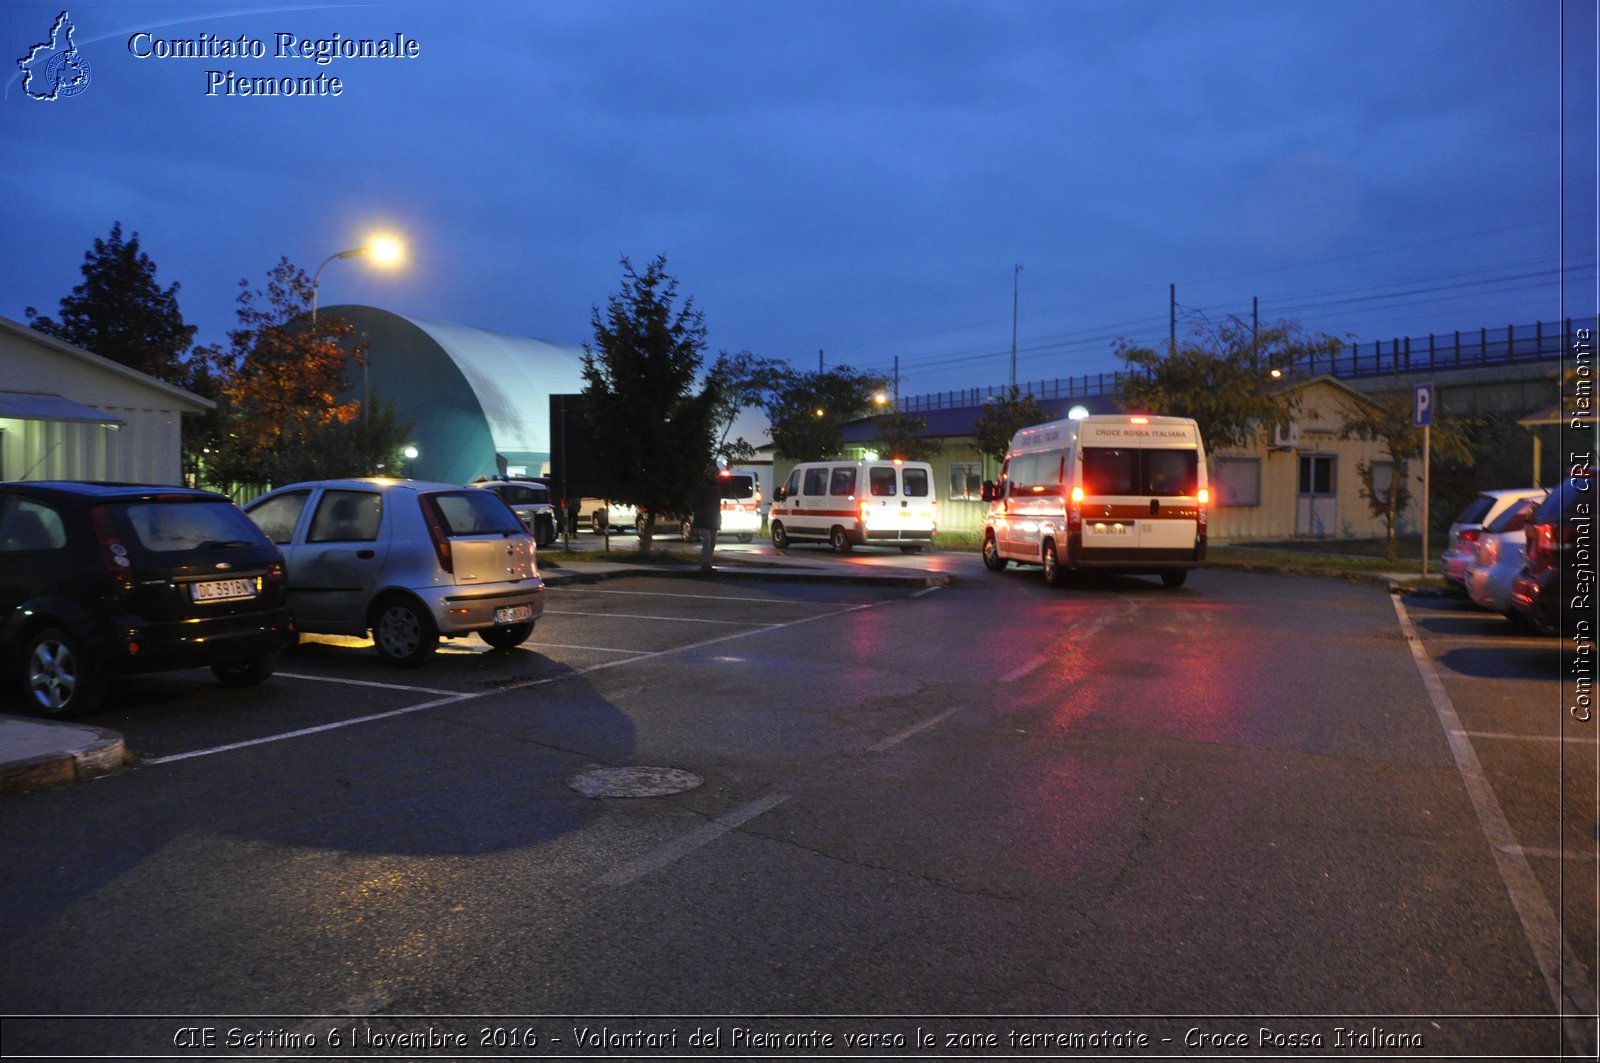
851, 503
1122, 493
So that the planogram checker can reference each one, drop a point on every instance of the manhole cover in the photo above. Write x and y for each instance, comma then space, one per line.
634, 782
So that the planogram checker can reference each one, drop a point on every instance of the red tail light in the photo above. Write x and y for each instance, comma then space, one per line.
436, 532
113, 554
1468, 536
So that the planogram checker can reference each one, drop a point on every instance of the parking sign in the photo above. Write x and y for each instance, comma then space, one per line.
1422, 406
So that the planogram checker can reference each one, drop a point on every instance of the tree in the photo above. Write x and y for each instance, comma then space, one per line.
808, 411
744, 381
1221, 378
1001, 419
1387, 419
120, 312
651, 431
900, 435
282, 387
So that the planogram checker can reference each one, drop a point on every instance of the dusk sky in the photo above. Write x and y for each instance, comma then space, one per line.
858, 178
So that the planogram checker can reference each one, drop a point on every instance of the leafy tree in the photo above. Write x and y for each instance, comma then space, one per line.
1221, 378
651, 432
808, 411
1387, 419
744, 381
900, 435
281, 385
120, 312
1001, 419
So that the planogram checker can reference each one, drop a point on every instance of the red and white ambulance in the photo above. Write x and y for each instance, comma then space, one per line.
1116, 492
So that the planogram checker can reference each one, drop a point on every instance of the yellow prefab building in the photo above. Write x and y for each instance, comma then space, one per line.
1302, 480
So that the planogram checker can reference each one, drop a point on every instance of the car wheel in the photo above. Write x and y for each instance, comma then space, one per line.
598, 522
58, 679
245, 673
839, 540
507, 636
546, 533
403, 633
911, 548
991, 554
1174, 577
686, 531
746, 538
780, 538
1054, 574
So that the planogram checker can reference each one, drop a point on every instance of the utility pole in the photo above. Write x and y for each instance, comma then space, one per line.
1016, 274
1172, 320
819, 361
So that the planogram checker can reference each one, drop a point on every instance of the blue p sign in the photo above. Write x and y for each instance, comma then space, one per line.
1422, 406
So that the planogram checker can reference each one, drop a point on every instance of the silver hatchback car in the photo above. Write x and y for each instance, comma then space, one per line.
406, 560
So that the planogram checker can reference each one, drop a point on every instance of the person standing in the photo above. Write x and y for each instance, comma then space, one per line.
706, 501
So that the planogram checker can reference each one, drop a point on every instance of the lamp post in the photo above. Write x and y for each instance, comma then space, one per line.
411, 458
385, 250
1016, 276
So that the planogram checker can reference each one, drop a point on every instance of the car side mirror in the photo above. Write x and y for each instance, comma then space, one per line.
990, 491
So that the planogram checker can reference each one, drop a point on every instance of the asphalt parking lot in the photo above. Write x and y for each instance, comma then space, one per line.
333, 682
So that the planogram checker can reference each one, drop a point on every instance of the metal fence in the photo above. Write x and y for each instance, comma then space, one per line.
1486, 347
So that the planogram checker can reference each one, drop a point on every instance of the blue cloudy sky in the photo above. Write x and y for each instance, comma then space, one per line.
858, 178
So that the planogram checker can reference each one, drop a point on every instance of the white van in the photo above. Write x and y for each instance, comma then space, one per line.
851, 503
1118, 492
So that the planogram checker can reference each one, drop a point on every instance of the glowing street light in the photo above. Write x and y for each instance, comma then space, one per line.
384, 250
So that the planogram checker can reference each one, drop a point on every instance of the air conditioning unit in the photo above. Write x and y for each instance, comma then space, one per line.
1285, 436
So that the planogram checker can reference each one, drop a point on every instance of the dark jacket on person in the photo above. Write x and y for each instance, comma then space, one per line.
706, 501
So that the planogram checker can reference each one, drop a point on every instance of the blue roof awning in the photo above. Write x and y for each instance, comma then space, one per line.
33, 406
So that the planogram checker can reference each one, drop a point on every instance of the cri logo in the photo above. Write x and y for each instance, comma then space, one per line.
55, 69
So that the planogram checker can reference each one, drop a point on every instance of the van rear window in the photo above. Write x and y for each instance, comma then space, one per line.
880, 482
917, 483
1140, 471
738, 486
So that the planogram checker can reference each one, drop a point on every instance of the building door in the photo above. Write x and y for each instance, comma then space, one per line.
1314, 513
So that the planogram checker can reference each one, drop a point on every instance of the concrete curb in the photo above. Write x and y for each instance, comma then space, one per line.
53, 754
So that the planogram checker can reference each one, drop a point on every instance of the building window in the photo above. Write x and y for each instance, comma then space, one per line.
1236, 481
966, 481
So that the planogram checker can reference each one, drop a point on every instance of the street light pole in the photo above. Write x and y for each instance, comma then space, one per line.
316, 278
1015, 279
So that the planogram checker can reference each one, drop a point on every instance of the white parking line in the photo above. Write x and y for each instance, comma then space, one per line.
714, 597
695, 839
336, 725
591, 649
361, 683
644, 616
1565, 978
542, 681
1505, 737
895, 739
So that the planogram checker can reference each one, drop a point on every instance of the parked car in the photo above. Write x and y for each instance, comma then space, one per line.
1462, 544
601, 515
1556, 586
101, 580
741, 511
407, 560
530, 500
1499, 558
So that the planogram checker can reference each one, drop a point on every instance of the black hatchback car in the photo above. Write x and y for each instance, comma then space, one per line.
99, 580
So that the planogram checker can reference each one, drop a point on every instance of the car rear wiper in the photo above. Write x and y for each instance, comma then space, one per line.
223, 544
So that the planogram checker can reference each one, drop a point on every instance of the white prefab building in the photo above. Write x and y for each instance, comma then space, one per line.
67, 414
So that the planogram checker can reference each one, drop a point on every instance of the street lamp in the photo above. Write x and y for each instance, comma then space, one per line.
384, 250
1016, 277
411, 457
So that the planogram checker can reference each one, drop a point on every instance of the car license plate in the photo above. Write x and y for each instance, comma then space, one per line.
513, 614
222, 590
